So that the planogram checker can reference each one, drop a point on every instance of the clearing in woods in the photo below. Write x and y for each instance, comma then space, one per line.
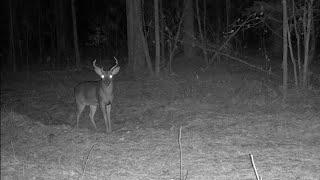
225, 114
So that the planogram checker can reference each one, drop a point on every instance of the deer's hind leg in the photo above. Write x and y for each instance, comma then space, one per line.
93, 110
80, 108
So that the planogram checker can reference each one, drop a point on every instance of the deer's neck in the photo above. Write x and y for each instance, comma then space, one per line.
106, 86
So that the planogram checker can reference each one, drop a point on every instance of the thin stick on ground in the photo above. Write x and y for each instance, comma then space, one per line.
13, 151
254, 167
180, 149
86, 161
180, 153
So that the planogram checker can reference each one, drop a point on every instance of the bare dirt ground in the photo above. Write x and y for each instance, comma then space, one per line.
224, 115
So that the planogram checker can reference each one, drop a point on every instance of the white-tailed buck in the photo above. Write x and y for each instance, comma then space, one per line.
94, 93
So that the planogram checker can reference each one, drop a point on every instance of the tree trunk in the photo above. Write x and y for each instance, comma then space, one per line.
228, 12
201, 32
130, 35
307, 19
162, 24
276, 37
27, 54
136, 44
145, 49
313, 42
75, 34
39, 32
227, 20
204, 21
12, 59
157, 37
219, 27
295, 73
298, 45
61, 31
188, 25
218, 20
285, 49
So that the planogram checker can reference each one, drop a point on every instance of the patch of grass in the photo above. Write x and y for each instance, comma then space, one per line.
215, 141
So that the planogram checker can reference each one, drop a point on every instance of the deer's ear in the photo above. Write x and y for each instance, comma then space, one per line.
115, 70
98, 71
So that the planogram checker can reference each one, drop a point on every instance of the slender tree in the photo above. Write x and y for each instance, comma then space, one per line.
202, 32
12, 45
218, 19
39, 31
157, 36
75, 34
162, 28
307, 19
188, 28
285, 49
130, 34
62, 41
228, 8
219, 26
204, 21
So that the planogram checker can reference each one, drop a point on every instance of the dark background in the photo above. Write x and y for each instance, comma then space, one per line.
39, 18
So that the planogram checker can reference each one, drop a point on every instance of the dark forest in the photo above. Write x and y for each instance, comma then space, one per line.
160, 89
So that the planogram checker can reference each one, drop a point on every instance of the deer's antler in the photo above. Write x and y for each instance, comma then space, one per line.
116, 63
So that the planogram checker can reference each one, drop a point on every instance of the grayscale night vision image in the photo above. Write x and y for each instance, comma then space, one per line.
160, 89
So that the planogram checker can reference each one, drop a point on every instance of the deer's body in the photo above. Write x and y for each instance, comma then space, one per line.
89, 93
94, 93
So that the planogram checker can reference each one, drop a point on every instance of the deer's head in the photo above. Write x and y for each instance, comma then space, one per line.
106, 76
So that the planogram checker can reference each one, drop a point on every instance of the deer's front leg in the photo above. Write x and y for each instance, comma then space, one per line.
104, 113
108, 117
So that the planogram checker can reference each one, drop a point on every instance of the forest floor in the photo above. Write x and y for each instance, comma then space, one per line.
225, 114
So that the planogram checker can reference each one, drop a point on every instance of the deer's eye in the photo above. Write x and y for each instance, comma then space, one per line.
110, 76
102, 76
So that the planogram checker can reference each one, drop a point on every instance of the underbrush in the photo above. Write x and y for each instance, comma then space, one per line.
224, 116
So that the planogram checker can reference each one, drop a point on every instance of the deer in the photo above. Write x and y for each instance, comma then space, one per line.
97, 93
